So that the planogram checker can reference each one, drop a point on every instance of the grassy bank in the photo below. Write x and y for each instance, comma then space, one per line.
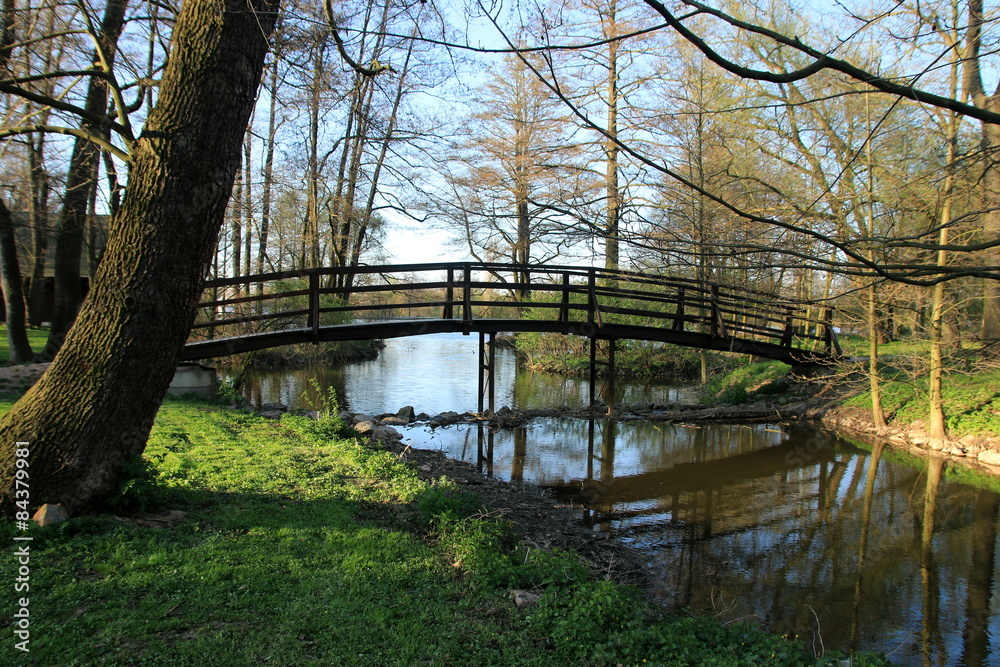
634, 359
292, 543
748, 383
971, 400
37, 338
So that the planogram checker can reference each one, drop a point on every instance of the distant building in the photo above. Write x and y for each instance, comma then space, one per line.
94, 241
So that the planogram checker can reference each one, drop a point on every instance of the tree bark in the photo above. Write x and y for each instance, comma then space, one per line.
93, 408
874, 380
81, 180
976, 91
614, 195
991, 222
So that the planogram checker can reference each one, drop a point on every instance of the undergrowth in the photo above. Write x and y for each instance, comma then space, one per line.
971, 400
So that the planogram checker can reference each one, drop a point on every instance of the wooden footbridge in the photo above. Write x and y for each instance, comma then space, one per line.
374, 302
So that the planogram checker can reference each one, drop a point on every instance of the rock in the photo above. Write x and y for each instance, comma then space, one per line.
394, 421
386, 434
346, 417
311, 414
273, 407
49, 514
366, 426
523, 599
970, 441
990, 457
446, 419
423, 417
360, 417
271, 414
407, 414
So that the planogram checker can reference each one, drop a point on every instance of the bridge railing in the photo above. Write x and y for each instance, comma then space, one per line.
587, 297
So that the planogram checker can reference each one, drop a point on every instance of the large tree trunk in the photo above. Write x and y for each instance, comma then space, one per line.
94, 407
81, 180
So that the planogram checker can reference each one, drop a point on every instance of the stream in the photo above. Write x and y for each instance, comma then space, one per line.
846, 546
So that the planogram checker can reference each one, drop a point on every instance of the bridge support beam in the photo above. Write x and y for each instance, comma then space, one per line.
609, 385
487, 373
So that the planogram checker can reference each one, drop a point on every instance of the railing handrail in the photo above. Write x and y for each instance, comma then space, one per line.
490, 267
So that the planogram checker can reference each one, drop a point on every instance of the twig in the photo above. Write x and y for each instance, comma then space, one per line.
818, 634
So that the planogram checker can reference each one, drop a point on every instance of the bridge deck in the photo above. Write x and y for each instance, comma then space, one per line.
221, 347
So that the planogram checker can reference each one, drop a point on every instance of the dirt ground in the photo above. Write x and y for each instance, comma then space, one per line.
20, 377
545, 521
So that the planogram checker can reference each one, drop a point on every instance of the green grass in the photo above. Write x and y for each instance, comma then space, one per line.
854, 345
301, 545
37, 338
972, 402
748, 383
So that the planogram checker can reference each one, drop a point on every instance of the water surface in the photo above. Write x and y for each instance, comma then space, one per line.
801, 531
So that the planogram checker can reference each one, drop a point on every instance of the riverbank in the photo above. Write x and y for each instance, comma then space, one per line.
293, 541
843, 404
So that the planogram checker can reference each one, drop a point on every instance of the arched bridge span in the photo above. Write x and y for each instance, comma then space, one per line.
370, 302
333, 304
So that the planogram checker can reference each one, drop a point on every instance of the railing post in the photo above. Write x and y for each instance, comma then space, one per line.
313, 321
718, 323
564, 310
449, 296
830, 336
679, 314
467, 297
786, 337
593, 309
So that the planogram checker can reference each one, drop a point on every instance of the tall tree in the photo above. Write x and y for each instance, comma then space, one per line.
81, 180
93, 408
515, 160
975, 89
10, 270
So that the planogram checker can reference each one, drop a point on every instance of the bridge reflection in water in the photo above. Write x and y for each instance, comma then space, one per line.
816, 538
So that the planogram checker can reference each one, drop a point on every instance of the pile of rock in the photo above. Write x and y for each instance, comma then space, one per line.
380, 427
